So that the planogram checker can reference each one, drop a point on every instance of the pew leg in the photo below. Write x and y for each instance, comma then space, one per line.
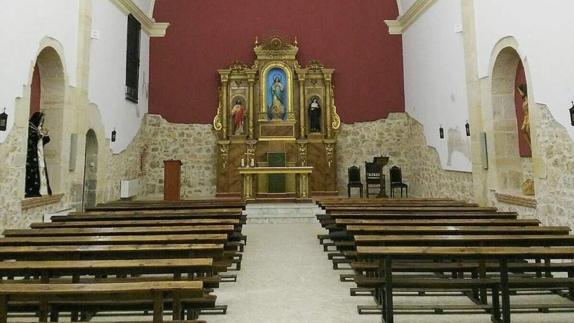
388, 290
158, 307
54, 315
571, 289
548, 272
43, 315
495, 305
176, 308
3, 309
475, 291
192, 314
504, 290
482, 274
538, 272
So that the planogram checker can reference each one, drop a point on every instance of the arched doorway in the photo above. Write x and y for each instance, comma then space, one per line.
512, 170
48, 96
90, 170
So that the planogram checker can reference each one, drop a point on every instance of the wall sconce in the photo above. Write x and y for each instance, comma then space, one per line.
441, 132
114, 135
571, 114
467, 128
3, 120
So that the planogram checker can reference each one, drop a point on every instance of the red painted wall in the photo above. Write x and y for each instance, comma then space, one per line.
205, 35
523, 147
35, 91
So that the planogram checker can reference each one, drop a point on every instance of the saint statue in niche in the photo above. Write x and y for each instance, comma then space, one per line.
314, 115
276, 94
37, 183
528, 184
525, 128
238, 115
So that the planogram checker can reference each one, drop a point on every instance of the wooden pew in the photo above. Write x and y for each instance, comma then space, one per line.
501, 254
110, 252
156, 292
48, 269
343, 223
465, 240
423, 215
116, 240
114, 216
135, 223
165, 205
456, 230
227, 229
396, 203
161, 211
408, 209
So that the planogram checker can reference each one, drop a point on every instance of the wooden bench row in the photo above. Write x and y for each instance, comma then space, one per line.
384, 240
53, 261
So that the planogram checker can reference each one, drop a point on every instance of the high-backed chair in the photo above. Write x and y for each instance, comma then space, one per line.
354, 180
373, 171
396, 178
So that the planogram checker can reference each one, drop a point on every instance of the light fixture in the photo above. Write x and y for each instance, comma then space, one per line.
467, 128
441, 132
114, 135
571, 114
3, 120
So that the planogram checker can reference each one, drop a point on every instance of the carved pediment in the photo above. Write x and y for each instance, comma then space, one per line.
238, 66
276, 48
315, 65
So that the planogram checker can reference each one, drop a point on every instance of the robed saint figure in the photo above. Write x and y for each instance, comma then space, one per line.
37, 183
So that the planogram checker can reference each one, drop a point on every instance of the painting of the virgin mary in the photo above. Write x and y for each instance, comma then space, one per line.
277, 92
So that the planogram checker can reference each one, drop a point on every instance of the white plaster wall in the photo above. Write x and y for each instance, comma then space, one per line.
23, 24
108, 74
404, 5
144, 5
544, 32
435, 80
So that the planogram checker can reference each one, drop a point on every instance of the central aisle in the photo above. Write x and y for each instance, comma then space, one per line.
286, 277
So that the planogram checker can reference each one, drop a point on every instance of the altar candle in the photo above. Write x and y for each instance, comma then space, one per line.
252, 162
242, 162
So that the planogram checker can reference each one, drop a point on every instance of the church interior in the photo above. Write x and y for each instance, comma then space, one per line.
322, 161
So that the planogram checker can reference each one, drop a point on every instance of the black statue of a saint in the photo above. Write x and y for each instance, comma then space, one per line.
37, 183
315, 116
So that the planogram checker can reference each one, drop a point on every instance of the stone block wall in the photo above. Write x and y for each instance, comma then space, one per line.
554, 190
193, 144
402, 139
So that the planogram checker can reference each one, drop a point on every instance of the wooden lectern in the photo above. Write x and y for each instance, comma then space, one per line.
171, 180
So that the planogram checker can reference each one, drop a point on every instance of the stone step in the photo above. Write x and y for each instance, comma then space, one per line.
281, 212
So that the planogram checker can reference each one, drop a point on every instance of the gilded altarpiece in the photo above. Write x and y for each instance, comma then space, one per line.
276, 106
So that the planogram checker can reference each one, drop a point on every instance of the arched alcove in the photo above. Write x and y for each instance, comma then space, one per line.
47, 86
511, 170
50, 70
90, 170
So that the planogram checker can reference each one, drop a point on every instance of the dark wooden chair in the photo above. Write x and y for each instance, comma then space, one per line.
354, 180
396, 178
373, 172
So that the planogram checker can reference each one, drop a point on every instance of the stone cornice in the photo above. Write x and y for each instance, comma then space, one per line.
405, 20
149, 26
